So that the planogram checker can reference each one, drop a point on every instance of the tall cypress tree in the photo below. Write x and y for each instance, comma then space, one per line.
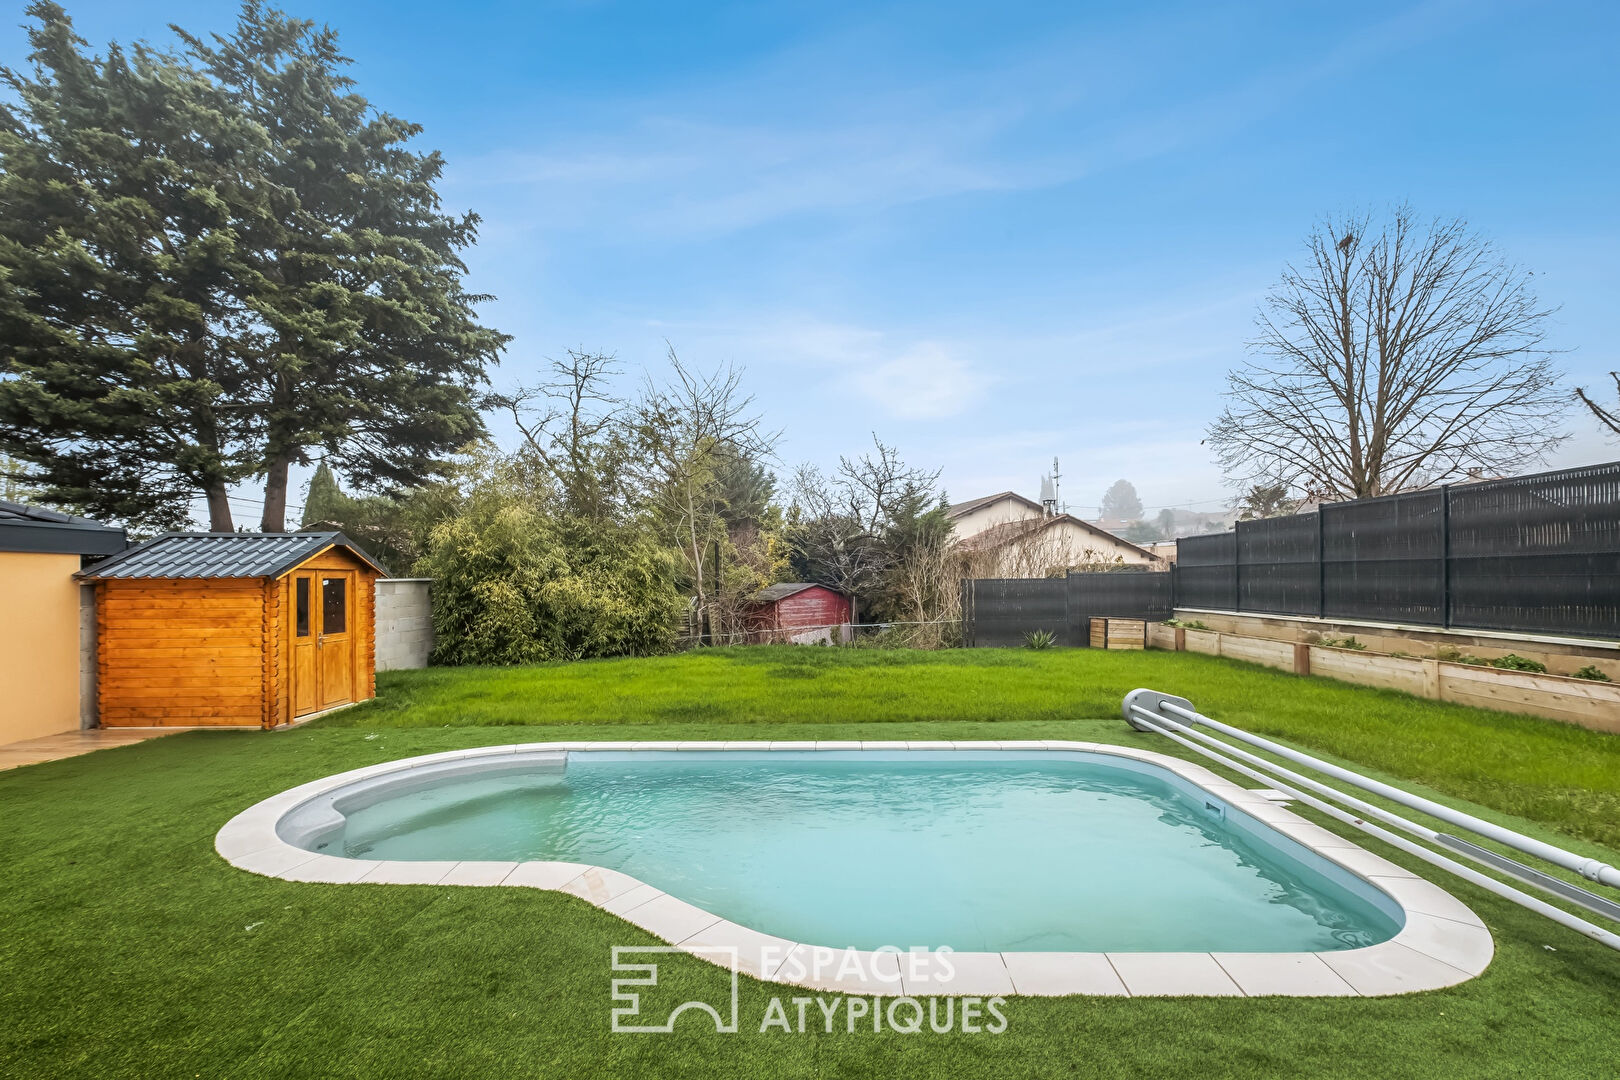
375, 351
126, 335
324, 501
212, 266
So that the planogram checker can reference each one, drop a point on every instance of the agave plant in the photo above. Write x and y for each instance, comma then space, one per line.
1040, 639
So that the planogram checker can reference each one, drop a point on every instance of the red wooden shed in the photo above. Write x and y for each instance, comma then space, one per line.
800, 613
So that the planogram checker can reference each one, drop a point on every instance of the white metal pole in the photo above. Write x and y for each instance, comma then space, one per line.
1467, 873
1589, 868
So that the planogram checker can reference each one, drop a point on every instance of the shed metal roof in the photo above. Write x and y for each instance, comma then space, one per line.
221, 555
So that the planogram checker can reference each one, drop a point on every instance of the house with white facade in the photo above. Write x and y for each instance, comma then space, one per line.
1009, 536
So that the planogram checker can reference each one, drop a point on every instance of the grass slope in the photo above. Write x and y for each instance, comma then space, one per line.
1554, 773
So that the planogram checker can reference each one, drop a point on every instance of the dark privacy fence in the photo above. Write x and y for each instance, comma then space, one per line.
1532, 553
1001, 611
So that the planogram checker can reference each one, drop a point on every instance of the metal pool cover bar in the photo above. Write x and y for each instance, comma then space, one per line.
1176, 719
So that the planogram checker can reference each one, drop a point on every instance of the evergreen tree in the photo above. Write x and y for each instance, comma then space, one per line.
1266, 501
124, 288
212, 266
1120, 502
746, 489
374, 350
324, 501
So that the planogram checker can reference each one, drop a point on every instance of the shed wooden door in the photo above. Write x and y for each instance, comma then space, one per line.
336, 643
323, 649
306, 671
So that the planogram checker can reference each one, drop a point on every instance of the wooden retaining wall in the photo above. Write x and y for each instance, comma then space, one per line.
1594, 705
1561, 655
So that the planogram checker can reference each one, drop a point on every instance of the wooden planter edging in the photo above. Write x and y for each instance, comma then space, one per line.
1118, 634
1594, 705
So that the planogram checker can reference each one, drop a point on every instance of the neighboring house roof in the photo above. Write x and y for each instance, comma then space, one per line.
1008, 531
34, 529
222, 555
959, 509
770, 594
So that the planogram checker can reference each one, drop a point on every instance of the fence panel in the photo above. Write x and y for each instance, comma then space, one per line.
1538, 553
1383, 559
1205, 572
1279, 568
1122, 595
998, 612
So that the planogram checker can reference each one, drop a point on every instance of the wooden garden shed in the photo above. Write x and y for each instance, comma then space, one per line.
233, 629
798, 612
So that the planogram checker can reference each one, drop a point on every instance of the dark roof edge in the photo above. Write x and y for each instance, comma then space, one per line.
61, 537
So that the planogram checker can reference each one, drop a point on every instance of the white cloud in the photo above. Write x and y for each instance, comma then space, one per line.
925, 382
892, 374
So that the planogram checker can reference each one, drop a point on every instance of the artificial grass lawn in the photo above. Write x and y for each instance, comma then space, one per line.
130, 949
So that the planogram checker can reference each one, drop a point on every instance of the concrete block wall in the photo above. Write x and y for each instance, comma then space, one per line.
404, 623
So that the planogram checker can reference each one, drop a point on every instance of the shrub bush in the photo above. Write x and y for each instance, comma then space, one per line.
514, 585
1593, 672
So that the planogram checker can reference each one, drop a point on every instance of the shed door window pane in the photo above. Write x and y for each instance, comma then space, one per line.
301, 590
334, 605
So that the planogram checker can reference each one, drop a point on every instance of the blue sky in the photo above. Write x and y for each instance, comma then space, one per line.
992, 233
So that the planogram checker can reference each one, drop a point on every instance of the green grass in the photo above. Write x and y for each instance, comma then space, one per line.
128, 948
1557, 774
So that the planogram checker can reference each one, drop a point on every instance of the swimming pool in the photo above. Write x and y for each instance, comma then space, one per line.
1032, 850
1024, 852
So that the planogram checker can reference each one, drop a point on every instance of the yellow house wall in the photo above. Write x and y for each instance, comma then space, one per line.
39, 645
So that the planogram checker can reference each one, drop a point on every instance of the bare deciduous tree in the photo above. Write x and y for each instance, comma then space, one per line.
574, 426
1392, 358
686, 430
844, 518
1609, 418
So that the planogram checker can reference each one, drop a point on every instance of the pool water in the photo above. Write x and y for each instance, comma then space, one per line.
993, 851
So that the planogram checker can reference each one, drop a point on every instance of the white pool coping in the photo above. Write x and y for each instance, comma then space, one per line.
1441, 944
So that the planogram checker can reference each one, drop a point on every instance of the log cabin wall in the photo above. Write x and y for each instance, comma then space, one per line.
182, 653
